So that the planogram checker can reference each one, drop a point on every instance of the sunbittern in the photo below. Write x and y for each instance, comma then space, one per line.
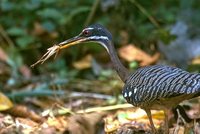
152, 87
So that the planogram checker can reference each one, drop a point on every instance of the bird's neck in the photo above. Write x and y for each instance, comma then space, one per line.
118, 66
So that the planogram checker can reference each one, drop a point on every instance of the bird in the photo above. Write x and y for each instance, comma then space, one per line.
159, 87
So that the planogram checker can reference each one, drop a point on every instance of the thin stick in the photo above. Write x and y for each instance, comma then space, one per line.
48, 92
92, 12
64, 110
106, 108
145, 12
6, 37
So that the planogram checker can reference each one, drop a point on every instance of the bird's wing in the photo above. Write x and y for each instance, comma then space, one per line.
156, 82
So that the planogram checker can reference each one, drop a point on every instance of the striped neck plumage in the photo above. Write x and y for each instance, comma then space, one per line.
101, 40
118, 66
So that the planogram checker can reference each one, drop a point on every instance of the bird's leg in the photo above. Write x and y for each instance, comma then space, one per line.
166, 112
148, 111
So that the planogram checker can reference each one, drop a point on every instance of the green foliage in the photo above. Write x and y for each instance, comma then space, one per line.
133, 65
33, 23
19, 18
164, 35
15, 31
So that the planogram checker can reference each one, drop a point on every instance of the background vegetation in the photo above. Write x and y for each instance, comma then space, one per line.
29, 27
32, 26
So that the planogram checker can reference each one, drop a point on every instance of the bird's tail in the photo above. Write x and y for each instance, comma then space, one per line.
195, 84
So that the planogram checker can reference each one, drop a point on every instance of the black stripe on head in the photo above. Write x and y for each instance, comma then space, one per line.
99, 30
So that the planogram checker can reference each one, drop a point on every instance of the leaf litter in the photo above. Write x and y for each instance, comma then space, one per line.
114, 119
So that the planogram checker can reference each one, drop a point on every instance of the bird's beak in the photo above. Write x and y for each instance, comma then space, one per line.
70, 42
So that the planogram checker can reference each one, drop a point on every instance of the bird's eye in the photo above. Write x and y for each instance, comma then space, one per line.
86, 32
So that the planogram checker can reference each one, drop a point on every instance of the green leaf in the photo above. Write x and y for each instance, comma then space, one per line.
73, 13
32, 4
133, 65
50, 13
49, 1
15, 31
165, 35
122, 116
24, 41
6, 5
48, 25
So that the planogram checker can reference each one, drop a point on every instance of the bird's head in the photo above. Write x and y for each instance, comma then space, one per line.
94, 33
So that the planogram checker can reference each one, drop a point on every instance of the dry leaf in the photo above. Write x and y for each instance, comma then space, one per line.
111, 124
27, 123
38, 29
196, 60
5, 102
23, 111
60, 123
131, 53
84, 63
26, 72
3, 55
139, 114
133, 118
84, 123
178, 130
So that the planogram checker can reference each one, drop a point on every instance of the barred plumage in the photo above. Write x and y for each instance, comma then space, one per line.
153, 87
152, 83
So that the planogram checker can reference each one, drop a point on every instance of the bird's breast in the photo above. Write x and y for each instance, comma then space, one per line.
133, 95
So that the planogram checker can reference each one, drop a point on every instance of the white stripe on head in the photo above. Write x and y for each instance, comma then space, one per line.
89, 28
100, 37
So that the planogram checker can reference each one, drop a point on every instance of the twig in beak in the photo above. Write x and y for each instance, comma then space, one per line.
50, 51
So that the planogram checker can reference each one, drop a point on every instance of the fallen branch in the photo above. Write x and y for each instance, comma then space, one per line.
105, 108
48, 92
62, 110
